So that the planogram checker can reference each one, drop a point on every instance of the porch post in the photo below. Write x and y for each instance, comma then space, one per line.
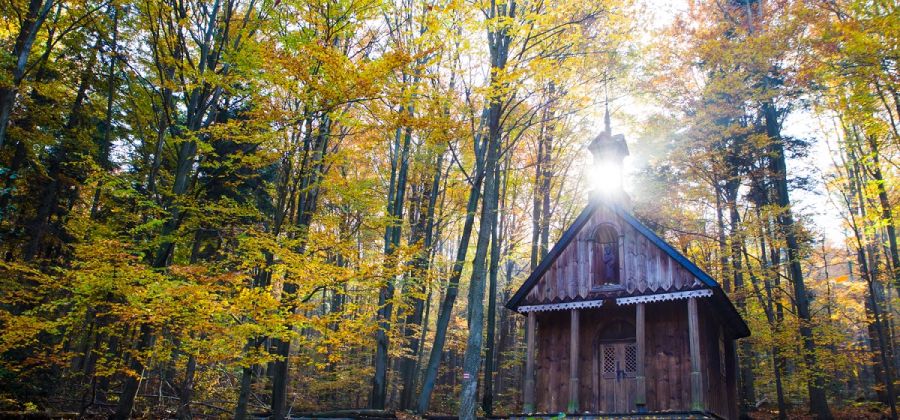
694, 339
573, 361
641, 398
529, 364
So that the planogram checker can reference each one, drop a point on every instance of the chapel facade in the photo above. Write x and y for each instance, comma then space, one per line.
622, 324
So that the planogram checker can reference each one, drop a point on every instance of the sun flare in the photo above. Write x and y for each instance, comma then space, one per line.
606, 178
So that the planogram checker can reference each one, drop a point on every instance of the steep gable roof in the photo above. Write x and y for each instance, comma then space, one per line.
571, 233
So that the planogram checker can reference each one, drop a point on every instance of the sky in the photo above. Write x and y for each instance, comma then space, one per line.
815, 203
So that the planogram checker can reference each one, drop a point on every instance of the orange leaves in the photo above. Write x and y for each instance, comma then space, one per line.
18, 331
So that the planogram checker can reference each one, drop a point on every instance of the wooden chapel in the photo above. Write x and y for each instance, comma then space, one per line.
621, 324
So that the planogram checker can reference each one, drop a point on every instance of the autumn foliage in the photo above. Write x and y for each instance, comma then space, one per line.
228, 208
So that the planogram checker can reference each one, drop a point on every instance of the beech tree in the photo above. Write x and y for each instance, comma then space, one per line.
271, 207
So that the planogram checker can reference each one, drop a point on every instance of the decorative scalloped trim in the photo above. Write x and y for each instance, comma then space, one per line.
659, 297
561, 306
664, 297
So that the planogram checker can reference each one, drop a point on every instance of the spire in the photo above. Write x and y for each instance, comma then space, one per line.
609, 152
606, 123
606, 147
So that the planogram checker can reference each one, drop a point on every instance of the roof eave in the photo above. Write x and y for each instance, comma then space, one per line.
552, 255
738, 324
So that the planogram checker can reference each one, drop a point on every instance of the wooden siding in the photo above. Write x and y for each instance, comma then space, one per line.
644, 268
666, 358
552, 362
716, 386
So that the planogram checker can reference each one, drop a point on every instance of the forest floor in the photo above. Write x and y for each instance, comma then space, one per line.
865, 410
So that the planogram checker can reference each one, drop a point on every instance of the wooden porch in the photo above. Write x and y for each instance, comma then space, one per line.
638, 360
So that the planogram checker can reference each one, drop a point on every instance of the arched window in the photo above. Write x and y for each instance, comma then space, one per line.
606, 256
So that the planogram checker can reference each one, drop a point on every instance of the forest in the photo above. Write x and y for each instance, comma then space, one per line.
274, 208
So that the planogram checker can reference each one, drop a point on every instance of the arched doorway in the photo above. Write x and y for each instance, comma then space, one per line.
615, 358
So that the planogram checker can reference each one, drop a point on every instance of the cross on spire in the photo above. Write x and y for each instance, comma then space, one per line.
606, 123
609, 152
608, 148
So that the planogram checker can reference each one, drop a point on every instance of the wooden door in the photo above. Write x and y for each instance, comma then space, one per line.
618, 369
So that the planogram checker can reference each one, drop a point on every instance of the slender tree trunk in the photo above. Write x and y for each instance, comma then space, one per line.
263, 276
875, 306
499, 48
184, 167
884, 372
547, 168
818, 401
409, 363
186, 389
392, 241
105, 142
886, 213
536, 202
748, 391
774, 321
487, 403
50, 197
311, 173
472, 357
31, 25
445, 311
720, 231
240, 412
129, 391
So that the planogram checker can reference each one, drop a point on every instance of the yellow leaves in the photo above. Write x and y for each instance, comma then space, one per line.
22, 330
22, 283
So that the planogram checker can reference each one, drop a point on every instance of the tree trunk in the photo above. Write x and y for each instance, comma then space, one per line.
130, 388
487, 403
31, 25
105, 143
748, 392
720, 231
392, 241
818, 401
880, 349
774, 321
50, 196
887, 216
488, 218
547, 176
310, 174
421, 265
445, 311
240, 412
536, 202
499, 47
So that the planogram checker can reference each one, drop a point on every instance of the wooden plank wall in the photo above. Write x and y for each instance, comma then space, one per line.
593, 322
667, 362
552, 362
731, 375
644, 267
715, 385
666, 358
